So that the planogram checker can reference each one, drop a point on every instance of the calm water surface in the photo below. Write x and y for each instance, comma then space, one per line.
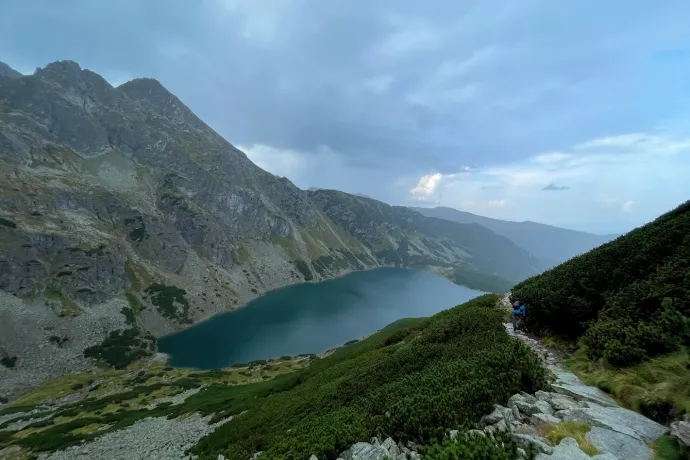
313, 317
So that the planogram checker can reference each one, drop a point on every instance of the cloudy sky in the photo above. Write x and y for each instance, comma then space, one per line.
569, 113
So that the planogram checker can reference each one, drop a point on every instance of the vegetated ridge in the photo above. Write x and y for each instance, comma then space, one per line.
629, 303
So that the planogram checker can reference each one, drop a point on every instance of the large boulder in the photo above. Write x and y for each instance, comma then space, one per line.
619, 444
365, 451
526, 440
681, 430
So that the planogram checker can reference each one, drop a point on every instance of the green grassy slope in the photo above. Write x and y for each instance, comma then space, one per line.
628, 301
412, 380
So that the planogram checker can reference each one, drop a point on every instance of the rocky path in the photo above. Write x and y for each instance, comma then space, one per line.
617, 433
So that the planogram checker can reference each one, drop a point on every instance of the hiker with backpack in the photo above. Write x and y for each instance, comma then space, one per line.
519, 310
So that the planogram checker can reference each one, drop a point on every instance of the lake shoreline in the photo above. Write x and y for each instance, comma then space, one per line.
344, 273
314, 317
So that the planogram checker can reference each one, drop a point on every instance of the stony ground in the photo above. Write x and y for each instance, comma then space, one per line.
147, 439
617, 433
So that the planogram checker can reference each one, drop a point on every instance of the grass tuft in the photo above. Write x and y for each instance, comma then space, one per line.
569, 429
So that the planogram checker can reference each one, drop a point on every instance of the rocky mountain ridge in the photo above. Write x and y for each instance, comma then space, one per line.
121, 209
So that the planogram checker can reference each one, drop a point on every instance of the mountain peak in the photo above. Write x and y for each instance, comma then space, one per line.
150, 93
62, 69
7, 71
145, 88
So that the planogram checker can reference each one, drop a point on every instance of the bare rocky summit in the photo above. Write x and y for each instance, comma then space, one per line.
120, 208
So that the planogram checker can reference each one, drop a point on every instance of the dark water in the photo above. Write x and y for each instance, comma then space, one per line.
313, 317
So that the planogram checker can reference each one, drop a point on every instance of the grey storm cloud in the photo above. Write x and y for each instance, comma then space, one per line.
441, 84
554, 188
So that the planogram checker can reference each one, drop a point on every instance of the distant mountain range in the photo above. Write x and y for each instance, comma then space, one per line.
552, 245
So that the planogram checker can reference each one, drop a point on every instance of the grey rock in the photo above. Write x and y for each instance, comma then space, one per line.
476, 433
561, 402
544, 407
617, 419
584, 392
681, 430
618, 444
525, 440
454, 434
541, 419
528, 397
516, 412
567, 449
501, 426
495, 416
543, 396
531, 409
313, 457
391, 447
222, 457
568, 384
365, 451
168, 439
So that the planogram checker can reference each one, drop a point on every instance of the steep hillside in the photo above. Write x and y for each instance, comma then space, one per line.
630, 298
120, 210
629, 301
551, 244
399, 235
413, 380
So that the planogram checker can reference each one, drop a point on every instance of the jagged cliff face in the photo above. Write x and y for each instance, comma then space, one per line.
113, 189
120, 208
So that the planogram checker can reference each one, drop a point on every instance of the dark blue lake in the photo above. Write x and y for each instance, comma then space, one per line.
313, 317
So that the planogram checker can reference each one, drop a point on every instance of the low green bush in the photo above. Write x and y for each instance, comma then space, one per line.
629, 299
123, 347
412, 381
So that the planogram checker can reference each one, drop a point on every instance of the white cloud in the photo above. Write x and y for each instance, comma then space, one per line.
607, 178
426, 186
430, 187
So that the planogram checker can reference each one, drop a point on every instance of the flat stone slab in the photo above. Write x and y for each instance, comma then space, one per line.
568, 449
618, 419
620, 445
582, 392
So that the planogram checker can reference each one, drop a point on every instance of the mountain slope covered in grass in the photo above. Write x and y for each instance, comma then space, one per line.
628, 301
